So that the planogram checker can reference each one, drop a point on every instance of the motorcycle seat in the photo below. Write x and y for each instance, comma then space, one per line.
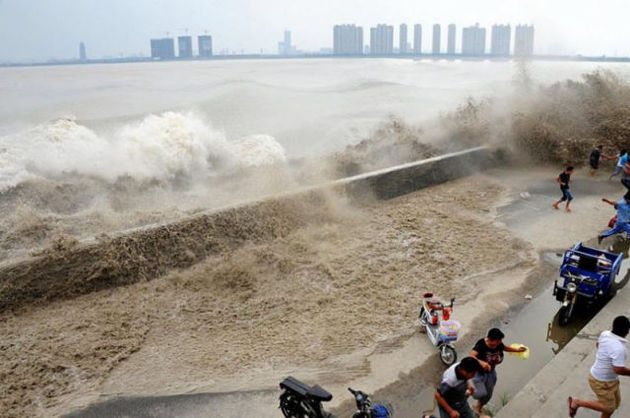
319, 393
314, 392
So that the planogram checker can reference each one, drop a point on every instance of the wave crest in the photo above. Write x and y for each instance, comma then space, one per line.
160, 147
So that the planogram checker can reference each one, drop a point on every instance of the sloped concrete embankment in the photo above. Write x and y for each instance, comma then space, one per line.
66, 271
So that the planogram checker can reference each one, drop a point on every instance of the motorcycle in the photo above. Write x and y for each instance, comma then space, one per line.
441, 331
299, 400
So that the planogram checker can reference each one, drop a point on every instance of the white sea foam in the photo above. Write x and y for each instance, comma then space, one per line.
158, 147
259, 150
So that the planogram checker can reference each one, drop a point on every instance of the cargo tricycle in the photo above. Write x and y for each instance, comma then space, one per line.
587, 276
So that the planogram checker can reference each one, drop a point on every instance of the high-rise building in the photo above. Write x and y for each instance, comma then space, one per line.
204, 44
285, 47
450, 46
436, 39
347, 40
474, 40
403, 39
163, 48
82, 53
382, 40
184, 46
501, 38
524, 40
417, 39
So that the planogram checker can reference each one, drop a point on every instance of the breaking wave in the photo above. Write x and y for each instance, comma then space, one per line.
160, 147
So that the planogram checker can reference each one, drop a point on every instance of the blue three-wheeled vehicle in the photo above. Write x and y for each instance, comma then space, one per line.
587, 275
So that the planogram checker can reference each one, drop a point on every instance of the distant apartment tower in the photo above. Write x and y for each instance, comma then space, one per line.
437, 34
347, 40
204, 44
285, 47
474, 40
184, 46
417, 39
163, 48
450, 46
82, 53
524, 40
403, 39
382, 40
501, 39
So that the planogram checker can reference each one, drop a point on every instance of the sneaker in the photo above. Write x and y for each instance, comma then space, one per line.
599, 239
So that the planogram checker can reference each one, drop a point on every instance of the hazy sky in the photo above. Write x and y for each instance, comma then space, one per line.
43, 29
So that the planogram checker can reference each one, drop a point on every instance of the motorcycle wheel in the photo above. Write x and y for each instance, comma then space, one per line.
293, 408
448, 355
564, 315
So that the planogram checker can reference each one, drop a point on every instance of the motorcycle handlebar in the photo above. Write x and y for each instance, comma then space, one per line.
358, 395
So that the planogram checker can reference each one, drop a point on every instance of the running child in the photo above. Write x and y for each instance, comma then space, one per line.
564, 179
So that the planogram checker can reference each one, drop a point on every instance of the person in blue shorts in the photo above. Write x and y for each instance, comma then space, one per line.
623, 217
621, 163
564, 179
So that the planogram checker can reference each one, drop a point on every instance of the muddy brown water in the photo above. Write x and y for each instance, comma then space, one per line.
533, 323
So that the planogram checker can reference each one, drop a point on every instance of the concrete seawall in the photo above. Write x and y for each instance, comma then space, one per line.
67, 271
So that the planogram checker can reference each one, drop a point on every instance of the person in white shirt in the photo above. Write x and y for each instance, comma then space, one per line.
610, 363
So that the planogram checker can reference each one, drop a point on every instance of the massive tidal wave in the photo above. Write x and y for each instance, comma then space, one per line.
61, 179
160, 147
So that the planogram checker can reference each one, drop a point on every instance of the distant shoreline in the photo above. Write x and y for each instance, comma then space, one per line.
449, 57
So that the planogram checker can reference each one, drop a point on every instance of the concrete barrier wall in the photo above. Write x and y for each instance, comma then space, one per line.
145, 254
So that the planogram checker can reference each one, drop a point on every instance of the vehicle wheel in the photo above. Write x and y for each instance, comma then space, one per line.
293, 408
564, 315
448, 355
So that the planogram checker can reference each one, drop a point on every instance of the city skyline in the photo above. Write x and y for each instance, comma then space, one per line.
348, 41
119, 28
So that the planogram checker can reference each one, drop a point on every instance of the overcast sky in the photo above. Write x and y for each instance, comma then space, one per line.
43, 29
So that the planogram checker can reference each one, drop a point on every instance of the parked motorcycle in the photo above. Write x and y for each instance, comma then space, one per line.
435, 318
299, 400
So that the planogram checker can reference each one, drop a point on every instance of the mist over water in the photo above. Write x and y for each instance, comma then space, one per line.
308, 105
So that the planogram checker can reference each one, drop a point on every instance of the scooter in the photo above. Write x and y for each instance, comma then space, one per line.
441, 331
299, 400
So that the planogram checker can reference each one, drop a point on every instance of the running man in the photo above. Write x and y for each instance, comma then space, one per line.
489, 353
621, 163
623, 217
564, 179
610, 363
455, 388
